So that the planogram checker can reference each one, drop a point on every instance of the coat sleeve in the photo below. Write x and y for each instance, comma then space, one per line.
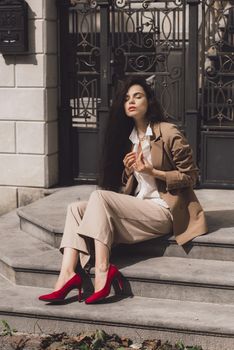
185, 171
125, 177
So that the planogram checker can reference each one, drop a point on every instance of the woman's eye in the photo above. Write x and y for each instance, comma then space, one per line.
138, 96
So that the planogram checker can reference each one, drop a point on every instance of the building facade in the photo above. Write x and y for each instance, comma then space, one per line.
29, 111
55, 98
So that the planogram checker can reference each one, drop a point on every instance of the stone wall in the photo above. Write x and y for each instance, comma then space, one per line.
28, 113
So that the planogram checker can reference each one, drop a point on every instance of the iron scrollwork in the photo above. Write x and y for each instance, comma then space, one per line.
85, 80
218, 63
120, 3
147, 42
90, 3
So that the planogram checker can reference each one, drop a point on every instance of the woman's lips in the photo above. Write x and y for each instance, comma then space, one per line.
132, 109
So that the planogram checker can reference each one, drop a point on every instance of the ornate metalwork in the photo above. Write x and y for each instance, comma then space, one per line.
84, 31
91, 3
148, 38
218, 63
120, 3
111, 39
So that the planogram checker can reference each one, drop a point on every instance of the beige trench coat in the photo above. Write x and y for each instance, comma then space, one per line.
171, 153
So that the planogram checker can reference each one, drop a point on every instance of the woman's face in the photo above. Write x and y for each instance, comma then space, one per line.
136, 103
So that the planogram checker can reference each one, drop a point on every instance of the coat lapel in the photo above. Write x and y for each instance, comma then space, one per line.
156, 143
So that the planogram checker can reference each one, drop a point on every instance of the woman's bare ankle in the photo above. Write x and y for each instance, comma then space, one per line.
63, 278
102, 268
100, 276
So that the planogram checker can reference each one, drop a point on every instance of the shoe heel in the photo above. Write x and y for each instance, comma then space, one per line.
120, 281
79, 294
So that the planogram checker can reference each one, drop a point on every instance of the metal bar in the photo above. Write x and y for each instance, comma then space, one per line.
184, 40
65, 115
192, 116
104, 52
103, 110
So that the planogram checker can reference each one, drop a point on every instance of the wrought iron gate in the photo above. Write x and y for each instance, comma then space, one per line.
217, 94
103, 41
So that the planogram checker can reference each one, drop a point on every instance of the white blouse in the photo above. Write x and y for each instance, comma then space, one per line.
146, 188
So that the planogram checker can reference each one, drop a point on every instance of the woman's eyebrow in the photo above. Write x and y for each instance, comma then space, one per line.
136, 93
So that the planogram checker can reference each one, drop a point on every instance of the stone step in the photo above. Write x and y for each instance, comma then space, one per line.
19, 251
45, 219
171, 278
217, 245
27, 261
207, 324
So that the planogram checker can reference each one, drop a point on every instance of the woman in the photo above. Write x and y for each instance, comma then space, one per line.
150, 162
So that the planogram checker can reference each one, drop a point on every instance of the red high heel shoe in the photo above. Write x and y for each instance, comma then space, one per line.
59, 295
113, 273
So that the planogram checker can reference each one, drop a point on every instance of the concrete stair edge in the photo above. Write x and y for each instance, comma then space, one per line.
44, 267
41, 232
162, 282
37, 222
56, 203
183, 316
214, 333
163, 271
47, 259
221, 226
40, 325
42, 258
53, 236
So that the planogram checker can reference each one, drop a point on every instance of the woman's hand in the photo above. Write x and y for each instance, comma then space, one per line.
128, 161
142, 165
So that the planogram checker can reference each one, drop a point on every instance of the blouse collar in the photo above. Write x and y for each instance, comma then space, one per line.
134, 137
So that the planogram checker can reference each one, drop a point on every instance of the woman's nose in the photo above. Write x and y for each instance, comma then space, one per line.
131, 100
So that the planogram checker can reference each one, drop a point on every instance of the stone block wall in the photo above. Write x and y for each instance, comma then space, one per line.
28, 113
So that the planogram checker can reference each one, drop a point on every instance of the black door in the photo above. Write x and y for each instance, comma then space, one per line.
217, 94
104, 41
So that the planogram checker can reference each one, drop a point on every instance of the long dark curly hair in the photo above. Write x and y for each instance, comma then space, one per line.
116, 143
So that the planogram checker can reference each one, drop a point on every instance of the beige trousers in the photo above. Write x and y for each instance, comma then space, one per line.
113, 218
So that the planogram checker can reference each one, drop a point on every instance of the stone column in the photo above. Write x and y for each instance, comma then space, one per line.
28, 113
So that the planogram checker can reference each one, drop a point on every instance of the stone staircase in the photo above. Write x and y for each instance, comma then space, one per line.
170, 292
